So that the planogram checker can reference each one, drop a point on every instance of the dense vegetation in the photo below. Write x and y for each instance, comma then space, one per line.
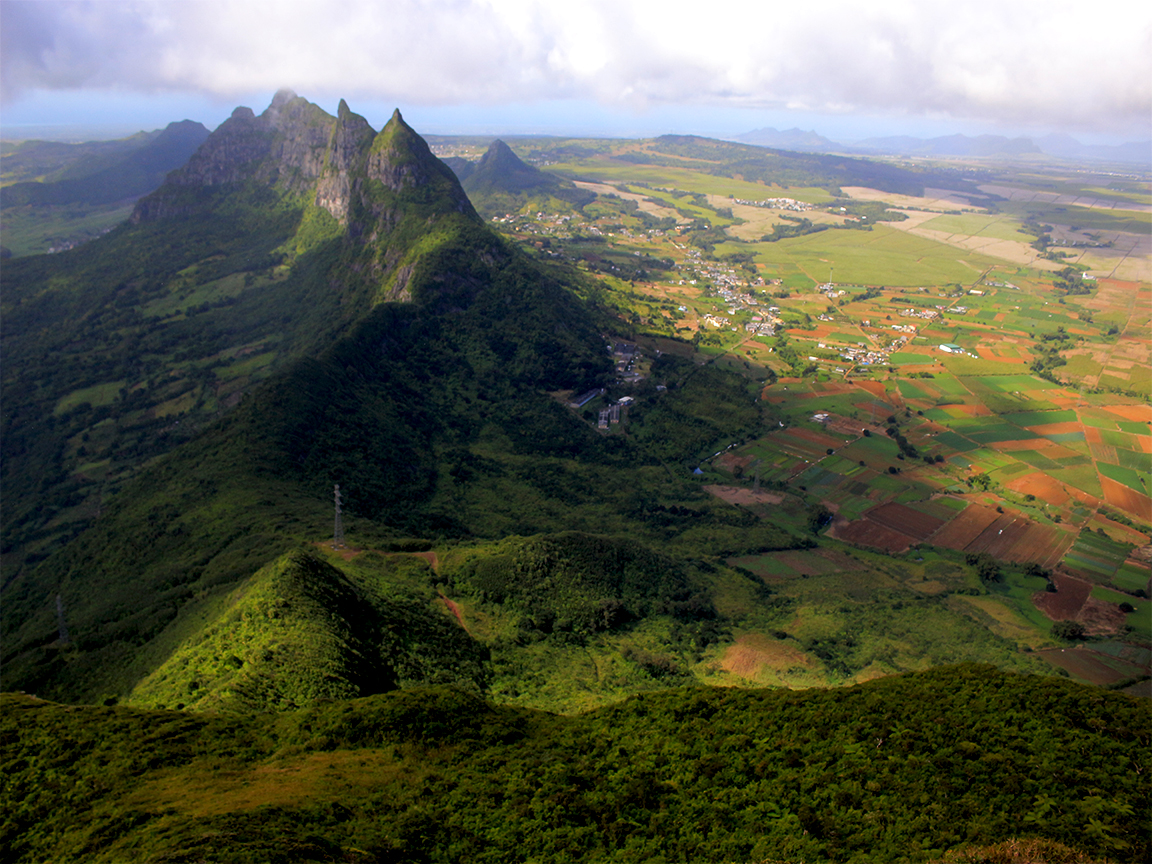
309, 303
900, 769
429, 414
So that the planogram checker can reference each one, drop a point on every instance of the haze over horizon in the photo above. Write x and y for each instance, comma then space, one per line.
623, 69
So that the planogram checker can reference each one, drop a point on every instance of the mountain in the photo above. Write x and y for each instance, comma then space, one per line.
790, 139
1061, 146
310, 325
309, 303
106, 178
501, 182
950, 145
58, 196
1067, 147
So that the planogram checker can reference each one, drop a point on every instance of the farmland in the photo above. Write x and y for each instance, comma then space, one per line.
1028, 441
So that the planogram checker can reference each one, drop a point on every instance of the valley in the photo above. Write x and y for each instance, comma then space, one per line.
674, 471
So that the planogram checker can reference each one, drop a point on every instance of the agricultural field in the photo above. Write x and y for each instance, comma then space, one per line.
935, 375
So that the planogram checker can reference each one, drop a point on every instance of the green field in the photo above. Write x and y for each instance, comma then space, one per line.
1127, 476
882, 256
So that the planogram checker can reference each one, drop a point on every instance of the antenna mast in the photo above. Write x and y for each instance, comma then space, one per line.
338, 531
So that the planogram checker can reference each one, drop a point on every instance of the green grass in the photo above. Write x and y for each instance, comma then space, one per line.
1131, 577
33, 230
96, 395
881, 256
1041, 418
1127, 476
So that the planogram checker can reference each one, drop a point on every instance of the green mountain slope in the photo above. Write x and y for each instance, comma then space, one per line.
429, 412
901, 769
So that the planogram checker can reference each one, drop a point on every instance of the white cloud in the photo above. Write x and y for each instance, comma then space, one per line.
1056, 63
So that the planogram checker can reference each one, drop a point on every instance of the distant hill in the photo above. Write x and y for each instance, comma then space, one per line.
501, 182
102, 175
1056, 145
57, 196
790, 139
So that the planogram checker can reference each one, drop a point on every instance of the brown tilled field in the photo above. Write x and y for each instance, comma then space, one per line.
1068, 600
1041, 544
965, 528
1086, 665
1042, 486
1119, 495
820, 440
905, 520
743, 496
869, 533
1057, 428
999, 537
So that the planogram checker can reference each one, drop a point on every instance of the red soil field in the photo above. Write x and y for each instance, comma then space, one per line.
1066, 603
1042, 486
1145, 443
868, 533
1092, 435
905, 520
820, 440
965, 528
873, 388
978, 410
746, 497
730, 461
1119, 495
1057, 428
1138, 413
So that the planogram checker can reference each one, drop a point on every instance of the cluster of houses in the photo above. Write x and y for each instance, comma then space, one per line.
862, 355
926, 314
776, 204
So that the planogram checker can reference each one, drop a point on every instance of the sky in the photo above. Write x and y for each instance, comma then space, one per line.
589, 67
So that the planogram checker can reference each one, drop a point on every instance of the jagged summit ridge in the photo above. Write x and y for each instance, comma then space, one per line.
300, 149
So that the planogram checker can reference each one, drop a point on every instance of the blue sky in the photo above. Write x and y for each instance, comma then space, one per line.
589, 67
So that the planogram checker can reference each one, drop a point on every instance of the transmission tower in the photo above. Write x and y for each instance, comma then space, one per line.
338, 531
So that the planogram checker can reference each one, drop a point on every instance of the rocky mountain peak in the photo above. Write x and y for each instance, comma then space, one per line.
299, 148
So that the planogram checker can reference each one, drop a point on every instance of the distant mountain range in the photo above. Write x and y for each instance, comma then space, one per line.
49, 172
1057, 145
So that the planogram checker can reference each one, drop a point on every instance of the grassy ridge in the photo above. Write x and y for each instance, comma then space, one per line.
895, 770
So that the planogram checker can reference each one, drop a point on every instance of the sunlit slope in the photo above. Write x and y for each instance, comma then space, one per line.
906, 767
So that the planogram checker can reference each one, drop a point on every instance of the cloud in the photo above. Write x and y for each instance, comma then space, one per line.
1019, 63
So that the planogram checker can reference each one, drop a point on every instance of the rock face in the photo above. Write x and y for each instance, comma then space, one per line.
343, 162
302, 151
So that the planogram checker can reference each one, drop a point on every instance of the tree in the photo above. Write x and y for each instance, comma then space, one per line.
818, 516
1070, 631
